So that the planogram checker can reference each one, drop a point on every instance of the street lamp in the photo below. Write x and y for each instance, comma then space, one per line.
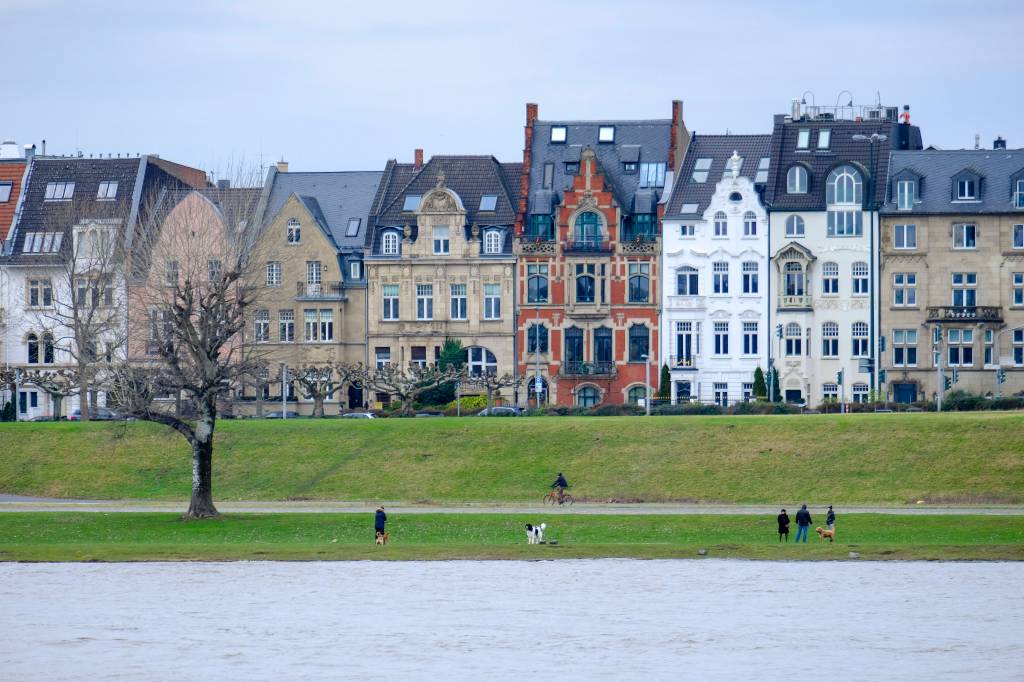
873, 140
536, 350
647, 384
284, 390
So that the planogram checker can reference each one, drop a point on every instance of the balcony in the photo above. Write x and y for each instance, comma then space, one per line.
587, 246
687, 302
586, 369
537, 243
964, 313
795, 302
683, 361
322, 291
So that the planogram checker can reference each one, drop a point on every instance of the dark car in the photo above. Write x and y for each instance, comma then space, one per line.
100, 414
281, 415
500, 411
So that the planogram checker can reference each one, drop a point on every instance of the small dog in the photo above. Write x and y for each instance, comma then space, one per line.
382, 538
535, 534
822, 533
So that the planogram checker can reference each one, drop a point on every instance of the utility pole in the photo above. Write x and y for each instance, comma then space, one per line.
940, 383
284, 390
872, 141
647, 382
536, 349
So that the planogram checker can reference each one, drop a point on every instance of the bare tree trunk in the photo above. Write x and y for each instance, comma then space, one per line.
201, 504
56, 407
318, 405
490, 400
85, 411
259, 401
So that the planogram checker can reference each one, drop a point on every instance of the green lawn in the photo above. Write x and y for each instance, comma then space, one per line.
133, 537
842, 459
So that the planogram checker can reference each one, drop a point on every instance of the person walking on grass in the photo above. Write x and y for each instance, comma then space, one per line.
783, 525
803, 522
830, 518
378, 522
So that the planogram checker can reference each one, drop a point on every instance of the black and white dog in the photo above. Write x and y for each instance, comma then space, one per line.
535, 534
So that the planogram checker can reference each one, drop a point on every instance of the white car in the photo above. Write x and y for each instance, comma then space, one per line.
358, 415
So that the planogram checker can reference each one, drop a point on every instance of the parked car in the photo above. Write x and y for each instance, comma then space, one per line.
45, 418
100, 414
281, 415
429, 414
358, 415
500, 411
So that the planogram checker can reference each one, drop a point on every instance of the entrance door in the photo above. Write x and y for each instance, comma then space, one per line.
904, 393
794, 395
28, 404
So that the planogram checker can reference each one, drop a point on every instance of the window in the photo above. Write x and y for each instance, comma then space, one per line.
418, 356
830, 340
541, 228
355, 269
721, 225
687, 344
794, 226
481, 361
700, 170
492, 242
904, 236
573, 346
549, 175
635, 394
326, 325
382, 356
390, 297
961, 347
844, 186
964, 236
537, 339
830, 279
606, 134
904, 347
102, 291
171, 273
749, 224
588, 396
286, 325
411, 202
860, 279
1018, 194
750, 338
906, 194
213, 270
796, 180
989, 348
845, 224
721, 338
311, 324
721, 394
762, 170
966, 189
458, 306
686, 281
794, 279
1018, 347
389, 245
59, 191
639, 282
294, 231
273, 274
904, 289
537, 283
558, 134
639, 343
860, 393
965, 289
629, 167
492, 301
1017, 284
824, 138
107, 190
803, 138
794, 340
686, 230
830, 392
720, 277
353, 227
424, 301
859, 333
488, 202
572, 167
585, 282
32, 343
313, 278
587, 228
750, 277
40, 293
442, 244
5, 192
261, 330
1018, 235
652, 175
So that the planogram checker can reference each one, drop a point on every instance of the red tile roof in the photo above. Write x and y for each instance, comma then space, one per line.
10, 171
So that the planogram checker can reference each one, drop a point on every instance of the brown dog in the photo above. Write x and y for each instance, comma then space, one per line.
382, 539
822, 533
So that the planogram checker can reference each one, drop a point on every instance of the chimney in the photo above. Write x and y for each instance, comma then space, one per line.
9, 150
977, 141
999, 143
30, 151
524, 175
44, 147
223, 184
795, 111
417, 159
531, 113
282, 166
679, 137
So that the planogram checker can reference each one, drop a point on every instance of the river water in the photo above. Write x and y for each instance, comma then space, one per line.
509, 620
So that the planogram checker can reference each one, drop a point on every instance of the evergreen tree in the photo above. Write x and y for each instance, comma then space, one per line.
452, 355
760, 389
665, 386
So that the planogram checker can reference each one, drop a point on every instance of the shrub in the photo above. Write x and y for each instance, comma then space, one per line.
962, 401
1006, 403
471, 404
613, 410
686, 408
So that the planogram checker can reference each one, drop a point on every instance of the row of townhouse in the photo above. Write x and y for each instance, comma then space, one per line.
835, 249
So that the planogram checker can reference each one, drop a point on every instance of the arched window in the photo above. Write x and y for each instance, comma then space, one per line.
536, 283
389, 245
588, 228
94, 244
830, 340
830, 279
794, 226
639, 342
294, 231
794, 339
860, 339
33, 349
537, 338
794, 279
721, 224
636, 394
749, 224
603, 348
796, 180
860, 278
492, 241
481, 361
584, 284
47, 349
686, 281
588, 396
639, 282
844, 186
573, 348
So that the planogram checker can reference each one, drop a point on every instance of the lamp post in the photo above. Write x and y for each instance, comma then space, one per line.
536, 350
647, 384
873, 139
284, 390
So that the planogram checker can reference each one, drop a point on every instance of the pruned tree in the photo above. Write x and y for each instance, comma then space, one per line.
190, 295
318, 383
59, 384
406, 384
492, 383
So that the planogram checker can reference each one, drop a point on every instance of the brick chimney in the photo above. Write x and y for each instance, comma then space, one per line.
679, 137
417, 156
524, 176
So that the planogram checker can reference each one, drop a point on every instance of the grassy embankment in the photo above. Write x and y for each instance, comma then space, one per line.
138, 537
845, 459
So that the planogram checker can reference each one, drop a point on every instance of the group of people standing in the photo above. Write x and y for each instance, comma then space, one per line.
803, 523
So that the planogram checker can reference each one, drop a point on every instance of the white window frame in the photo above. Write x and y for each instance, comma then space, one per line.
904, 236
796, 180
720, 278
750, 277
721, 224
492, 301
559, 134
829, 340
795, 226
904, 289
803, 138
424, 301
965, 236
1017, 289
904, 344
966, 285
960, 345
861, 282
720, 338
1017, 235
906, 194
294, 232
830, 278
441, 237
750, 338
390, 244
390, 294
967, 189
859, 340
459, 301
492, 242
286, 326
749, 224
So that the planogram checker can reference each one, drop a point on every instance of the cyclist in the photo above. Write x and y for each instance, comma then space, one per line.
561, 485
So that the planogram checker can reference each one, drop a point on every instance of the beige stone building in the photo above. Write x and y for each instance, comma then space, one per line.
440, 262
952, 272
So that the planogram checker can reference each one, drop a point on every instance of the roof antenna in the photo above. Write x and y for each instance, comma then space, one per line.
977, 141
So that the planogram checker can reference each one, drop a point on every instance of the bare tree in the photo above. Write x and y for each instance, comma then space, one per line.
492, 383
317, 382
59, 384
189, 298
406, 384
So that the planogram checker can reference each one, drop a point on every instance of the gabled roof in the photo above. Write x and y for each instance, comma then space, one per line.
12, 171
695, 196
635, 142
937, 170
332, 198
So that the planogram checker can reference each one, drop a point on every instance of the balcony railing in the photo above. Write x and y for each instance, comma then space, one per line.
683, 361
588, 368
795, 302
965, 313
545, 235
321, 290
588, 246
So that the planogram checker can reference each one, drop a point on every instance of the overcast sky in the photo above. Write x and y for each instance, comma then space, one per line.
347, 85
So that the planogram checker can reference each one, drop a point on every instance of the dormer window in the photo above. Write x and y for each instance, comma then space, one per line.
606, 134
906, 194
652, 175
824, 138
1018, 193
492, 242
572, 167
488, 202
412, 202
700, 170
353, 227
966, 189
59, 191
390, 244
5, 192
442, 244
558, 134
803, 138
796, 180
629, 167
107, 190
762, 169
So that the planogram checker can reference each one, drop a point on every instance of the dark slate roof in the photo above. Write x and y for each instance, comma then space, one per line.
819, 163
718, 148
635, 141
470, 177
332, 198
936, 169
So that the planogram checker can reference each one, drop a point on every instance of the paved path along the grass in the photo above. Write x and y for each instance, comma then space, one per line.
15, 503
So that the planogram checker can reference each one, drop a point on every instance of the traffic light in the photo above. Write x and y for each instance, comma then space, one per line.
947, 382
1000, 376
839, 377
881, 376
956, 375
778, 330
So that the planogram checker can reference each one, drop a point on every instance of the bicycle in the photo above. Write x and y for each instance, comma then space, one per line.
558, 497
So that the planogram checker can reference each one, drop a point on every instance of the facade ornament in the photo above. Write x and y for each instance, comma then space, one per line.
475, 231
734, 164
407, 233
440, 180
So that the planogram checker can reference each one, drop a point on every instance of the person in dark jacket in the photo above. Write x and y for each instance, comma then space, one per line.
378, 521
830, 518
803, 522
560, 483
783, 525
